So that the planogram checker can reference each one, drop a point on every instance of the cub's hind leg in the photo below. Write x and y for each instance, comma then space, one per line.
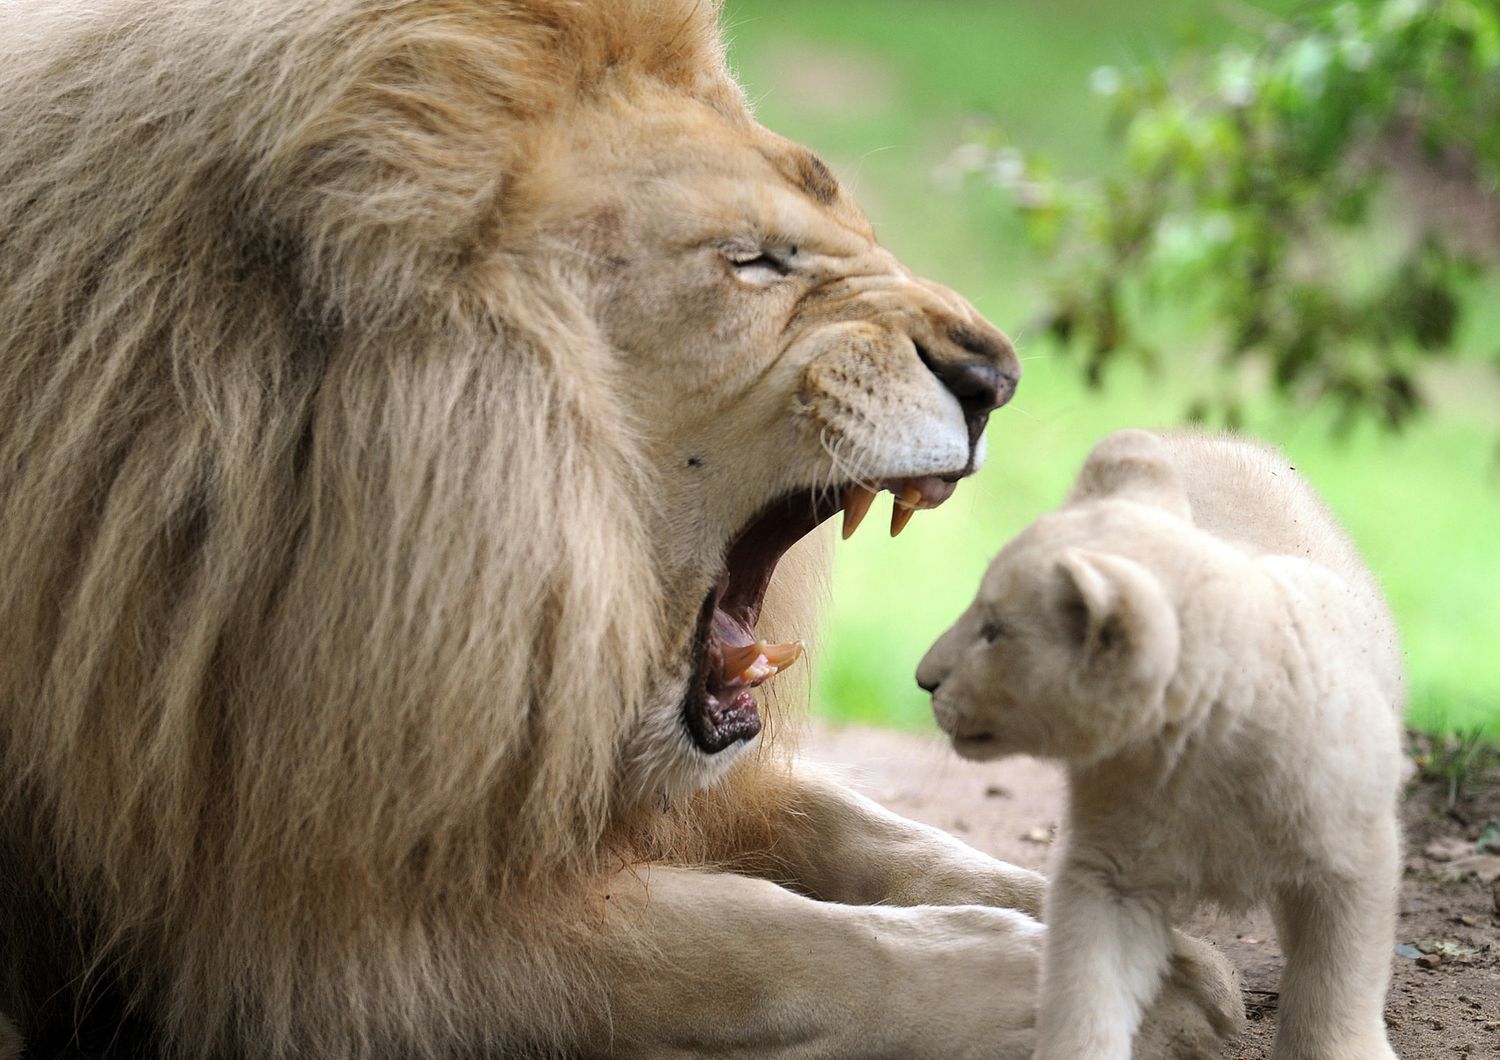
1338, 937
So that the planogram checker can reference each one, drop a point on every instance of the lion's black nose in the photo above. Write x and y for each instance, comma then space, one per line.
979, 386
979, 367
927, 686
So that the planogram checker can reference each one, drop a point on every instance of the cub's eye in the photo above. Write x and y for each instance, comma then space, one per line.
991, 632
760, 266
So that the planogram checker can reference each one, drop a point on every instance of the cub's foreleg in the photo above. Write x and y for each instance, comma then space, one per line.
1104, 961
1337, 936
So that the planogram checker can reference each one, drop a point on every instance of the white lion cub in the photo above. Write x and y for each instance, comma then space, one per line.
1199, 642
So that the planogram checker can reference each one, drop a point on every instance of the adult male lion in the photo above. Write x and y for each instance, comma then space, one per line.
403, 408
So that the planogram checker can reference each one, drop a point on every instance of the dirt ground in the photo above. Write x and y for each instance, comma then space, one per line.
1444, 999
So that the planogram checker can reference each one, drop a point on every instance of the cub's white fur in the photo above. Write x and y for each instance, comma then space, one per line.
1195, 637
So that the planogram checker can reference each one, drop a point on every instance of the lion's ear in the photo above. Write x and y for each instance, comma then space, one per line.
1116, 614
1133, 464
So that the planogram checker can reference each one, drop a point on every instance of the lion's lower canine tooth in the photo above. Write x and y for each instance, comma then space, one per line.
782, 655
757, 662
738, 660
856, 504
758, 671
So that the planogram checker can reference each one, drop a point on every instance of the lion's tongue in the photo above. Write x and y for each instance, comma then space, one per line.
746, 661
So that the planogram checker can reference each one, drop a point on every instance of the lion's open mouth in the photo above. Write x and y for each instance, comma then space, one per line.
719, 708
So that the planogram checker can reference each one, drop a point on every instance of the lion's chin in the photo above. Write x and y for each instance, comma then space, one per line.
719, 708
716, 723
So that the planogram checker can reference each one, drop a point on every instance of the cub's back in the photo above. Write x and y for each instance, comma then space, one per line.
1245, 491
1249, 493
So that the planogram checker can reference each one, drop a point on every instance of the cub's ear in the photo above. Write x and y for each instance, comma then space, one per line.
1136, 465
1116, 614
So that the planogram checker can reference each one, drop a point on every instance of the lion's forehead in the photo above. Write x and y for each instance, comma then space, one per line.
674, 150
696, 207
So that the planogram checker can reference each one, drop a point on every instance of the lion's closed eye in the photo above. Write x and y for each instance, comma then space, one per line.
991, 631
762, 265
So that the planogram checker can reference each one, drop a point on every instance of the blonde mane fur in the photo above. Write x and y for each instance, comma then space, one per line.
280, 602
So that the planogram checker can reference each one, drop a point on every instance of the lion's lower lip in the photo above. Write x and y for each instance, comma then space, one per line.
718, 724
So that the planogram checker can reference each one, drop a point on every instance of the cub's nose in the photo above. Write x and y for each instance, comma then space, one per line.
931, 671
977, 364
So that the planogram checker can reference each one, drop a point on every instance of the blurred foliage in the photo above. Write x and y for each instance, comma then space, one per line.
1254, 185
883, 89
1455, 759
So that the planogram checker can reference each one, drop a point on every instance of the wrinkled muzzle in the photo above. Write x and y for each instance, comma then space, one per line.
904, 368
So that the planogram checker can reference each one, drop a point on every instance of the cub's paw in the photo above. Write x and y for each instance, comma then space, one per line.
1198, 1009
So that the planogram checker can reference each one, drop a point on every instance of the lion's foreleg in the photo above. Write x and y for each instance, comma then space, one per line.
833, 843
730, 966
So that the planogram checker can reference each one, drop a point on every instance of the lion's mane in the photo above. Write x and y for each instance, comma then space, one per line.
326, 595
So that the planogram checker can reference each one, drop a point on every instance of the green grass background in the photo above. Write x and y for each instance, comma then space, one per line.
885, 89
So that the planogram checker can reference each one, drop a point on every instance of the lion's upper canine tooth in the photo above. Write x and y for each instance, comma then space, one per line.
900, 516
856, 503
